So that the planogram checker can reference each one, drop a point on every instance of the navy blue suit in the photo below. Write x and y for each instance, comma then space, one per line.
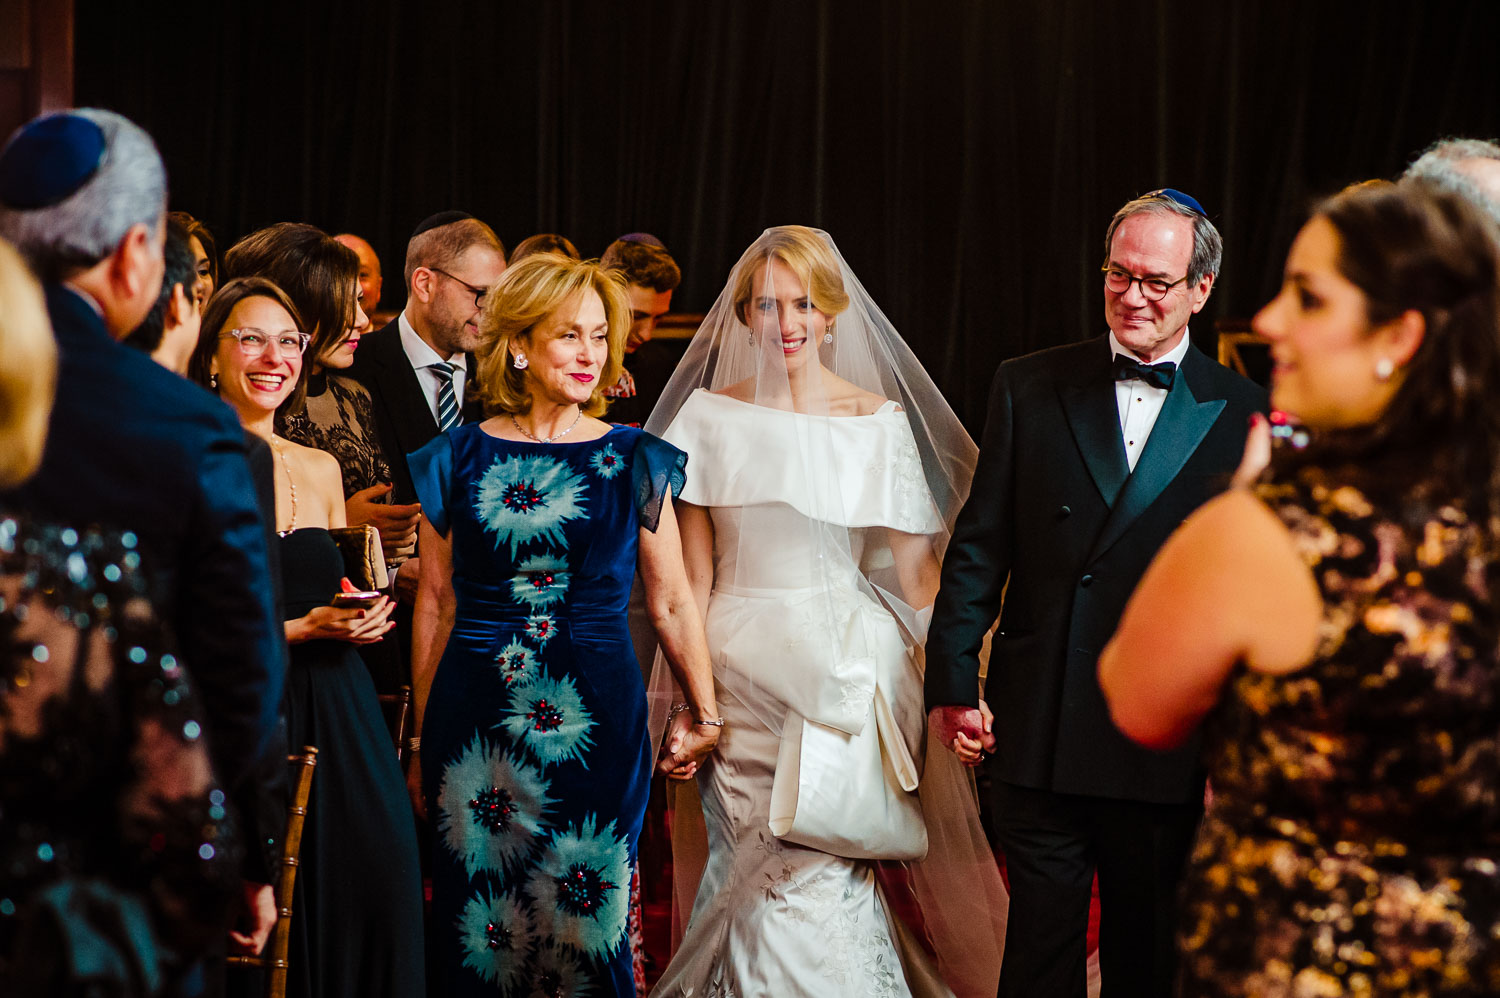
134, 447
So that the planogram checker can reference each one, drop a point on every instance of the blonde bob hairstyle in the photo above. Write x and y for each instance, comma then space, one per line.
807, 253
528, 293
28, 370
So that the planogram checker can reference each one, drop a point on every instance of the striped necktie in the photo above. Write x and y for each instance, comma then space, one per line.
447, 403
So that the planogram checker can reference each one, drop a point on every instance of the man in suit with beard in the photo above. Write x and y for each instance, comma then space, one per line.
417, 366
1093, 453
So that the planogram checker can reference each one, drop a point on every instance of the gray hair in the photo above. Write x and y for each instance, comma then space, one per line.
129, 188
1441, 164
1208, 245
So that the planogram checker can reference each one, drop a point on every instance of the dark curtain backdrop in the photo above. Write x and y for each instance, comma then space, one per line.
966, 156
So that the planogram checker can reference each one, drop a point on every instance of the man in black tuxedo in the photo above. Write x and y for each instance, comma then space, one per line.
418, 366
134, 447
1093, 453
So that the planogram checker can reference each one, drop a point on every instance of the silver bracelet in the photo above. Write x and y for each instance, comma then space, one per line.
682, 705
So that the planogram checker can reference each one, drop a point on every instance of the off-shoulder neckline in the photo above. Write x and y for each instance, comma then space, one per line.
887, 408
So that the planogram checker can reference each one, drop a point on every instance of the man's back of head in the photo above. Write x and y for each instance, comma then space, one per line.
1469, 167
370, 279
175, 309
82, 196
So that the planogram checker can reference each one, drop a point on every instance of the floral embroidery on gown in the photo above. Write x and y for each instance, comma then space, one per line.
1353, 840
535, 759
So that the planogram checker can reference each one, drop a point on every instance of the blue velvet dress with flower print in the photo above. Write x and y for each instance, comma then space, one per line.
535, 757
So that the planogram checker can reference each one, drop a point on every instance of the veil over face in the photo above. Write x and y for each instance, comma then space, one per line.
846, 471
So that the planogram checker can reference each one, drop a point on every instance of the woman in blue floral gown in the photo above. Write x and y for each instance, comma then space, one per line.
535, 761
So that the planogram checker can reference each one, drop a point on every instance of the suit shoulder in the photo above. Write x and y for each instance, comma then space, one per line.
1058, 358
1235, 387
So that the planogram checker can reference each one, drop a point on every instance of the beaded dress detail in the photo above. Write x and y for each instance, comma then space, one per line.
1353, 841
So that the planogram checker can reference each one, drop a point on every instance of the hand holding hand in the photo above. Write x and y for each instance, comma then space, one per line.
397, 524
356, 626
965, 731
686, 745
260, 906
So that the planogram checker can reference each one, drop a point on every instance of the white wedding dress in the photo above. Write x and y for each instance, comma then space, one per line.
772, 917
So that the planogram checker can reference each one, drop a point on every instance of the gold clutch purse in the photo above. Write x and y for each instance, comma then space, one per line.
364, 562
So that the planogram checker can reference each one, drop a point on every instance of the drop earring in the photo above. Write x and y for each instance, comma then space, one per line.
1384, 368
521, 362
213, 381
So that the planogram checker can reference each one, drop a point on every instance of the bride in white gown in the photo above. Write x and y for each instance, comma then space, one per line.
824, 473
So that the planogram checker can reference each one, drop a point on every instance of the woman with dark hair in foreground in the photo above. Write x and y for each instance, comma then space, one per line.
1337, 623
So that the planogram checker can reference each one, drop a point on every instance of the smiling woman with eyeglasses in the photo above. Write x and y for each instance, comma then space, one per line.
358, 893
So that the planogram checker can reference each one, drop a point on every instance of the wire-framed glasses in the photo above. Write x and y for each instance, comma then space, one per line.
480, 294
253, 342
1153, 288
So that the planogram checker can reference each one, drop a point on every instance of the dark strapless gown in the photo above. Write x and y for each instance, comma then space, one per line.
357, 924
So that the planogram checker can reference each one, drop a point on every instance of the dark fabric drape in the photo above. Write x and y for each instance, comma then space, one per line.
965, 155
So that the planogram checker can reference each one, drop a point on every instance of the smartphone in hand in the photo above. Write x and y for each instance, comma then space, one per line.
356, 600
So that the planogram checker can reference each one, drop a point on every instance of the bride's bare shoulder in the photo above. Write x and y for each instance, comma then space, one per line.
845, 398
743, 391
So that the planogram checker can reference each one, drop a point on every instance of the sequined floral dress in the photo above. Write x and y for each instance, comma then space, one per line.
1353, 841
535, 756
118, 864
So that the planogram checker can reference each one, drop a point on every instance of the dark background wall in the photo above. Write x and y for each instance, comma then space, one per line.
966, 156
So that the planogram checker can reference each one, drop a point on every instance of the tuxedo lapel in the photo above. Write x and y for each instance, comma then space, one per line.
1094, 418
1180, 428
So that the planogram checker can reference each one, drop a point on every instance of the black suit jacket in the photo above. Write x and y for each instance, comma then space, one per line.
1058, 522
132, 446
402, 419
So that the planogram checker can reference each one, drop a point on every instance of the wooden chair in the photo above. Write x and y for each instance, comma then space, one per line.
273, 959
397, 709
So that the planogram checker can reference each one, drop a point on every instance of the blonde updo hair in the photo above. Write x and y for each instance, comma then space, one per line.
28, 372
808, 255
526, 295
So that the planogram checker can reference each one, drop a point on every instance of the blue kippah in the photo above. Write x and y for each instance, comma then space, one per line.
645, 238
49, 159
1186, 200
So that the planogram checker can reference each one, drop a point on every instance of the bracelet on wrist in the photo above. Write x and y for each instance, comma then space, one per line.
682, 705
414, 744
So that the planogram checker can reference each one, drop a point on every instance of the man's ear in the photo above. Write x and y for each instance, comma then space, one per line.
421, 285
1202, 290
180, 306
133, 263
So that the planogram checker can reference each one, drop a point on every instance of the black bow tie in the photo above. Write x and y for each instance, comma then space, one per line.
1156, 375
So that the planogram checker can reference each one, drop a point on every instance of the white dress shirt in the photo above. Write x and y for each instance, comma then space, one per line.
1139, 402
422, 356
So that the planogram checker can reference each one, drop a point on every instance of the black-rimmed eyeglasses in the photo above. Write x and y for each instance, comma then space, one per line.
480, 294
1153, 288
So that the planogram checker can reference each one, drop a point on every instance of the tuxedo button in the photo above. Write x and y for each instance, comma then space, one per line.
1086, 581
1063, 511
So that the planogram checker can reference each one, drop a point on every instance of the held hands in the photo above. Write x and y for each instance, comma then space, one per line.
406, 580
356, 626
686, 745
397, 524
965, 731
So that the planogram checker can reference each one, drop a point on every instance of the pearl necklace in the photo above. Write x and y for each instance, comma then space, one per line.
546, 440
291, 484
